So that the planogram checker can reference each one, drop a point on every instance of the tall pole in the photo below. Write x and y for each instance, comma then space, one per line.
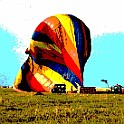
106, 81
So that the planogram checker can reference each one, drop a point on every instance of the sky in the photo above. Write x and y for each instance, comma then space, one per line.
105, 19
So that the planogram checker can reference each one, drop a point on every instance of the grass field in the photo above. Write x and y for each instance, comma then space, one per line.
29, 108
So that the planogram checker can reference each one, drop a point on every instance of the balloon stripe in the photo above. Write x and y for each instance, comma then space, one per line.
38, 36
67, 44
56, 78
34, 84
44, 45
68, 26
79, 41
87, 41
46, 29
61, 69
69, 47
73, 67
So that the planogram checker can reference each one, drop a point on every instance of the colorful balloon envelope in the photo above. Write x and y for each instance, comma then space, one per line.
59, 48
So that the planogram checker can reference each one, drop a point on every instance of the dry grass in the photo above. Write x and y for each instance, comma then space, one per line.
29, 108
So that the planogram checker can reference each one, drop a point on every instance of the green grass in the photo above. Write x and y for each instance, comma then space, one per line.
51, 108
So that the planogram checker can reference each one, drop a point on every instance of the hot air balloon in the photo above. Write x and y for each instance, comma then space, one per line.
59, 48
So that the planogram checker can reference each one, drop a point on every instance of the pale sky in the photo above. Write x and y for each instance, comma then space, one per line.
19, 18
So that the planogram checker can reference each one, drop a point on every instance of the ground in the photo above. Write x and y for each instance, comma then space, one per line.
51, 108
